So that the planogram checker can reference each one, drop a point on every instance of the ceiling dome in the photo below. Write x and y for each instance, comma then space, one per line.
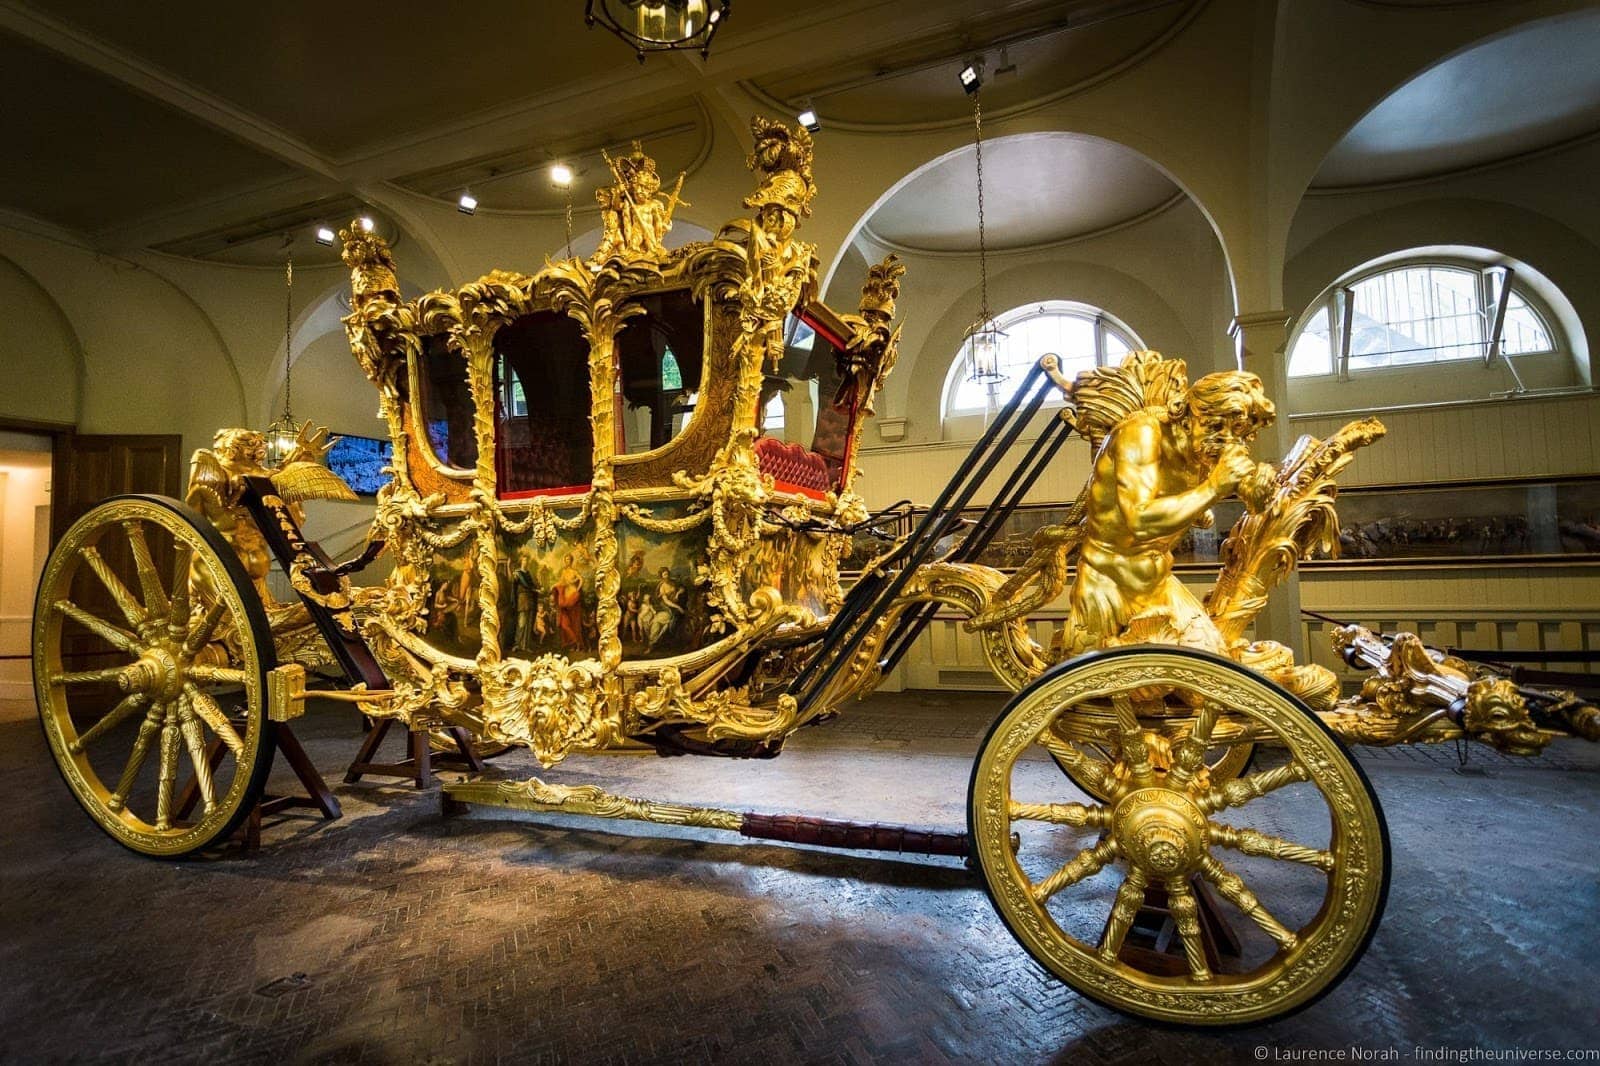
1536, 86
1038, 188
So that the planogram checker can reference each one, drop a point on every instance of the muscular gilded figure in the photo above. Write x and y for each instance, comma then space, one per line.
1158, 474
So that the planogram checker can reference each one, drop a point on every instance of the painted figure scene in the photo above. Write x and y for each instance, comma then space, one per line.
550, 601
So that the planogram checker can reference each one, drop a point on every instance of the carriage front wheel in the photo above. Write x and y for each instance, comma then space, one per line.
1178, 897
150, 658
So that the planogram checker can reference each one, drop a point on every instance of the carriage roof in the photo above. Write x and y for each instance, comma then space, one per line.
641, 368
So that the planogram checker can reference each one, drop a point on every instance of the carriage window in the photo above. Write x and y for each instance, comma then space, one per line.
542, 436
809, 356
660, 354
447, 405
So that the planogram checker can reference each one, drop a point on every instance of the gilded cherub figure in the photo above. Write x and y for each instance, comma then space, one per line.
217, 482
634, 218
779, 265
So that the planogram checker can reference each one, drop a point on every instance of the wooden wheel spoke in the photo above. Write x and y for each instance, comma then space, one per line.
116, 636
1234, 891
1073, 814
87, 677
178, 613
1253, 842
1086, 863
216, 675
112, 718
1095, 774
120, 595
1130, 896
1186, 918
200, 632
1190, 754
194, 739
141, 747
1242, 790
155, 597
167, 778
210, 713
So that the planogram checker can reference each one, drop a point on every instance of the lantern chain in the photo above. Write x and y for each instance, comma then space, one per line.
983, 250
288, 327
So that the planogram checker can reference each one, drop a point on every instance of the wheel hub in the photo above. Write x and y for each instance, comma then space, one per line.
158, 673
1161, 831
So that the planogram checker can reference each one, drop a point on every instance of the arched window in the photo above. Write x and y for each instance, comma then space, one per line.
1419, 311
1082, 335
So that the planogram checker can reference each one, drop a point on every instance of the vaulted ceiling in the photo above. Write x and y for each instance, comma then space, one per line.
1533, 87
209, 130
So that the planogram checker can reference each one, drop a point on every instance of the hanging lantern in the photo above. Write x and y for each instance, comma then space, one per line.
982, 343
661, 25
284, 434
984, 339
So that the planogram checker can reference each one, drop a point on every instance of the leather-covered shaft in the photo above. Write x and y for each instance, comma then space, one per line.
796, 829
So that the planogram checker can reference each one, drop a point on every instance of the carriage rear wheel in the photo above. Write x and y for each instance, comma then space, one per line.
1175, 897
150, 659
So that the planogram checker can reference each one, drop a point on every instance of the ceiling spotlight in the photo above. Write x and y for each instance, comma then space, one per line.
808, 119
367, 223
560, 175
467, 204
324, 235
972, 76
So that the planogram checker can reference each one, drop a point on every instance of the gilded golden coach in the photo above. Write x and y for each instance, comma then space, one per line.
597, 546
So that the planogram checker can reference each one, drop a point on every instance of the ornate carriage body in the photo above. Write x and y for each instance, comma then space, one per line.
587, 515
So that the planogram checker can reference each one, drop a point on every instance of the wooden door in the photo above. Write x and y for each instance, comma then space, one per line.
88, 469
91, 467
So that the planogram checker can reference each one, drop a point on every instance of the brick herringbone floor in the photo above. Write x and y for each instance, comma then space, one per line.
397, 936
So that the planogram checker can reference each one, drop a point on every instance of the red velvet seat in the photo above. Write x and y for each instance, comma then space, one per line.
793, 467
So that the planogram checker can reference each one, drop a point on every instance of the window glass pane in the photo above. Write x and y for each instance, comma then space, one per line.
1524, 331
1031, 331
660, 355
671, 374
772, 416
447, 405
1312, 352
1116, 346
542, 433
1422, 314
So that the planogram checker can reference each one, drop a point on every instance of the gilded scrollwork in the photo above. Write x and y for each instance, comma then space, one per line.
1417, 693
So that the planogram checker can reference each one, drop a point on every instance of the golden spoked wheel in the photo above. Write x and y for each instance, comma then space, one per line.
1294, 857
158, 728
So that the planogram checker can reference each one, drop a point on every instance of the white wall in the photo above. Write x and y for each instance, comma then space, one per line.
24, 542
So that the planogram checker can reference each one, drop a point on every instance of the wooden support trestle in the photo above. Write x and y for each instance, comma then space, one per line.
1152, 943
418, 765
317, 796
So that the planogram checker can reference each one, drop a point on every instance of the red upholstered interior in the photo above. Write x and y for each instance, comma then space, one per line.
792, 464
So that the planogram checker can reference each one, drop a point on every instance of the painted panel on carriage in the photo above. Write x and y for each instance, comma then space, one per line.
663, 611
549, 599
799, 565
453, 601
